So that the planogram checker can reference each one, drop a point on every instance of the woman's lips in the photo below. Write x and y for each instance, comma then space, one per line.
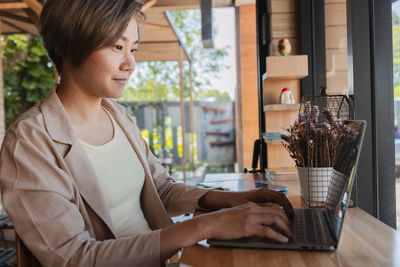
121, 81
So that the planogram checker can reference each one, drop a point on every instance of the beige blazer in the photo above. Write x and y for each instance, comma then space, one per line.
52, 195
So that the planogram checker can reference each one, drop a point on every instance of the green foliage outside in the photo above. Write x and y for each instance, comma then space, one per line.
159, 81
28, 74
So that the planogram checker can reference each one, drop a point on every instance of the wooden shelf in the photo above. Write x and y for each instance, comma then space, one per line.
289, 67
280, 107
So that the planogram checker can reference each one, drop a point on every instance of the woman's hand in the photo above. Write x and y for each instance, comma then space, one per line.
242, 218
249, 219
216, 199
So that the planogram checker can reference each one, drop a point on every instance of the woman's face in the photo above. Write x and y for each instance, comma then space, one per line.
106, 71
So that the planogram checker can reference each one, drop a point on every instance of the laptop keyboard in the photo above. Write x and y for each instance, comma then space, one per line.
308, 227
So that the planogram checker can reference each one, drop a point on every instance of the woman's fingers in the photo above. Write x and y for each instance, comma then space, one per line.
275, 209
271, 216
268, 232
279, 198
275, 221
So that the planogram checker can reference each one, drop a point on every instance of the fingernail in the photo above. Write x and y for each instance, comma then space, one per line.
284, 239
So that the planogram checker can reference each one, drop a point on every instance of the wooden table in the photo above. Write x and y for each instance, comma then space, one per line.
365, 241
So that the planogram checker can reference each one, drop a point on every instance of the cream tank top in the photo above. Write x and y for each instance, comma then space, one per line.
121, 177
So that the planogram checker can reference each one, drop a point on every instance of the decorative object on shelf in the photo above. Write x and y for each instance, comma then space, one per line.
317, 146
287, 96
284, 47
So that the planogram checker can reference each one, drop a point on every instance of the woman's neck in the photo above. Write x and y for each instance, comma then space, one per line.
79, 104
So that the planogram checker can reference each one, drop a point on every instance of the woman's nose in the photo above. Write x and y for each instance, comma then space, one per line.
128, 63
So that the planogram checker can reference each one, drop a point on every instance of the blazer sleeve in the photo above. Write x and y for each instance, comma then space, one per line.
177, 198
42, 203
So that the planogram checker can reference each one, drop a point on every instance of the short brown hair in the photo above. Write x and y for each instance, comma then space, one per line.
73, 29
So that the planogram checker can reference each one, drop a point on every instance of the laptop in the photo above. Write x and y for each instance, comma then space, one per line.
318, 228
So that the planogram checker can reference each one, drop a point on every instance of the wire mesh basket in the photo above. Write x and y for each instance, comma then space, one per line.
315, 178
339, 105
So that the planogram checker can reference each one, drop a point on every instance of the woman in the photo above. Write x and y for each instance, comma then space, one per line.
79, 183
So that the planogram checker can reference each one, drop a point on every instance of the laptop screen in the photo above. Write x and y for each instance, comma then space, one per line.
343, 175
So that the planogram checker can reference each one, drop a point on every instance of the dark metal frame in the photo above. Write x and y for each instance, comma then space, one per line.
312, 44
371, 79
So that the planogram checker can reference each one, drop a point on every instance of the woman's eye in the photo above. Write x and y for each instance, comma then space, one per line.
119, 47
133, 50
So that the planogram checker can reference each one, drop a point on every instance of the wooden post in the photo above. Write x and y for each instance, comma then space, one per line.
2, 111
191, 114
182, 106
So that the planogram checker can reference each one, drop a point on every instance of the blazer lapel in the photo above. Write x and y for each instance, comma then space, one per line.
60, 129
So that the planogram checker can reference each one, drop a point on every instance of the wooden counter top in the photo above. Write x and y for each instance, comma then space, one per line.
365, 241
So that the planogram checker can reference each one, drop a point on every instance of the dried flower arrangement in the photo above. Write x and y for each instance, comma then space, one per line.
318, 144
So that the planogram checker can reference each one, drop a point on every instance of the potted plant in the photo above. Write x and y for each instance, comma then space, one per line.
315, 147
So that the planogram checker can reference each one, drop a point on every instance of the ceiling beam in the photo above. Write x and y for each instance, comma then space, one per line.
149, 4
33, 17
14, 16
35, 6
4, 6
21, 29
158, 26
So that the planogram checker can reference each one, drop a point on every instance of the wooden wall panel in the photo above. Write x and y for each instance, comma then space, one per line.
279, 121
283, 6
284, 24
248, 93
335, 15
273, 89
337, 83
278, 157
336, 46
336, 60
336, 37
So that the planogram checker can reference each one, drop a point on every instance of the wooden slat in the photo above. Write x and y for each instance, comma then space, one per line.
337, 83
283, 6
14, 16
158, 52
25, 27
33, 17
336, 37
35, 6
149, 4
285, 25
4, 6
153, 34
335, 14
244, 2
336, 60
334, 1
281, 107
